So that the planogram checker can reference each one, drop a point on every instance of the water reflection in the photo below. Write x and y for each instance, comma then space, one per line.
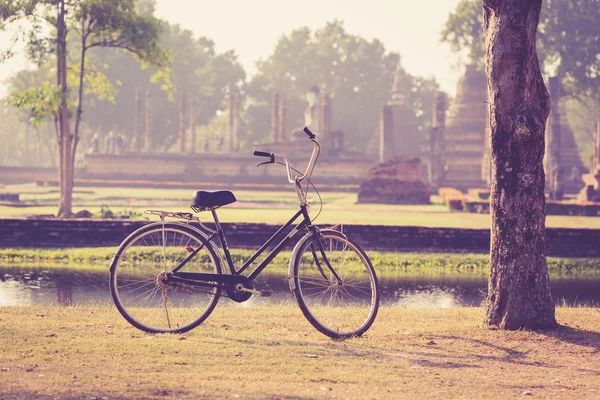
31, 285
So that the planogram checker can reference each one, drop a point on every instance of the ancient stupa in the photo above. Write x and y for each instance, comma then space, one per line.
397, 179
562, 162
465, 132
402, 137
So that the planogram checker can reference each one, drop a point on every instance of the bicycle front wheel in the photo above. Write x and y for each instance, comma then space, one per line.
140, 289
334, 284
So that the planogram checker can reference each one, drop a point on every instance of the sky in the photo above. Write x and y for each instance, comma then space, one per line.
252, 28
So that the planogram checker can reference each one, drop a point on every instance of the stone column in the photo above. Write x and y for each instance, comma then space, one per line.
148, 127
275, 118
137, 123
437, 148
283, 121
192, 125
326, 118
231, 123
386, 134
596, 159
554, 170
237, 103
182, 121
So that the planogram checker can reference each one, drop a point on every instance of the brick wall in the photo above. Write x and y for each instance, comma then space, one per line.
95, 233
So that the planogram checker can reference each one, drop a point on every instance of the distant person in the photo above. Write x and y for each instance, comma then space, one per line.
575, 174
110, 143
95, 145
206, 143
220, 142
119, 143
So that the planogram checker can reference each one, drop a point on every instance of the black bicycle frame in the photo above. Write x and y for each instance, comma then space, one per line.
193, 278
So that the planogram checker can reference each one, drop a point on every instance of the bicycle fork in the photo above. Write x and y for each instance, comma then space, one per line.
324, 255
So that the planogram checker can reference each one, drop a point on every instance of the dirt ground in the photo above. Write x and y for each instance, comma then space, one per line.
271, 352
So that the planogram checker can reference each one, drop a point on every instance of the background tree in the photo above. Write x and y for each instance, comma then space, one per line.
92, 23
518, 287
24, 144
463, 31
358, 74
197, 69
568, 43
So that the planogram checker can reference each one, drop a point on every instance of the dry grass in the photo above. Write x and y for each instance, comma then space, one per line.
272, 352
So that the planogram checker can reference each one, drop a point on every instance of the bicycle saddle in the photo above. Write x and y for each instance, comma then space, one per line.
203, 199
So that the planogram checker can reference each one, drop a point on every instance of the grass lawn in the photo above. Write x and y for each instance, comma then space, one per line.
274, 353
266, 207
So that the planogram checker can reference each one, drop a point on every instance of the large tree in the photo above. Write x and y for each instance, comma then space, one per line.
66, 30
518, 289
357, 73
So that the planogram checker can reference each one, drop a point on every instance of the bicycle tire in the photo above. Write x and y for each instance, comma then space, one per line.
339, 308
134, 278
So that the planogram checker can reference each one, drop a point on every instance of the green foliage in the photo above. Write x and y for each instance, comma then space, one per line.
464, 31
568, 40
42, 101
358, 74
105, 212
129, 213
197, 69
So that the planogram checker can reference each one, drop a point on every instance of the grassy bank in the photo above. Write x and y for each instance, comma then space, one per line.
272, 352
264, 207
382, 261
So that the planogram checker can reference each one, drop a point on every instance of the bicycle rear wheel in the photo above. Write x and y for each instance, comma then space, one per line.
138, 283
334, 284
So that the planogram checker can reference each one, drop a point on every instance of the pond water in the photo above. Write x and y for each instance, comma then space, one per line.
32, 285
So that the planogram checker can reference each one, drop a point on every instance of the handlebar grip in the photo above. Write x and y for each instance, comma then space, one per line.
309, 133
261, 153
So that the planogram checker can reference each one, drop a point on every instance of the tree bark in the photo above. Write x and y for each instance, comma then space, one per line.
518, 288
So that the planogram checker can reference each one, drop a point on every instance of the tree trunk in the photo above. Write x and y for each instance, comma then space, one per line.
518, 288
65, 142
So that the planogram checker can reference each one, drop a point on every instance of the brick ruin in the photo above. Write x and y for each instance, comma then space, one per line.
397, 179
562, 162
455, 152
591, 191
465, 132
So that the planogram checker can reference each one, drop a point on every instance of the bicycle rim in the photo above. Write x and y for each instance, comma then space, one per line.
140, 291
339, 306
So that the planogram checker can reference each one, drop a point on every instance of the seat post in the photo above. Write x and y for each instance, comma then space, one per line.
217, 224
223, 242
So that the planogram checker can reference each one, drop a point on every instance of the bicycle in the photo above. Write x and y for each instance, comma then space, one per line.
168, 277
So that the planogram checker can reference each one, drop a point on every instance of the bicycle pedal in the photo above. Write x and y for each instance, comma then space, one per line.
266, 293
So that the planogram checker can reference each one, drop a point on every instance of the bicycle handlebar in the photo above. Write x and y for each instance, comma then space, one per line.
309, 133
311, 162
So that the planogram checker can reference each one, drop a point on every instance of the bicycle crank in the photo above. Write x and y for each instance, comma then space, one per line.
244, 289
